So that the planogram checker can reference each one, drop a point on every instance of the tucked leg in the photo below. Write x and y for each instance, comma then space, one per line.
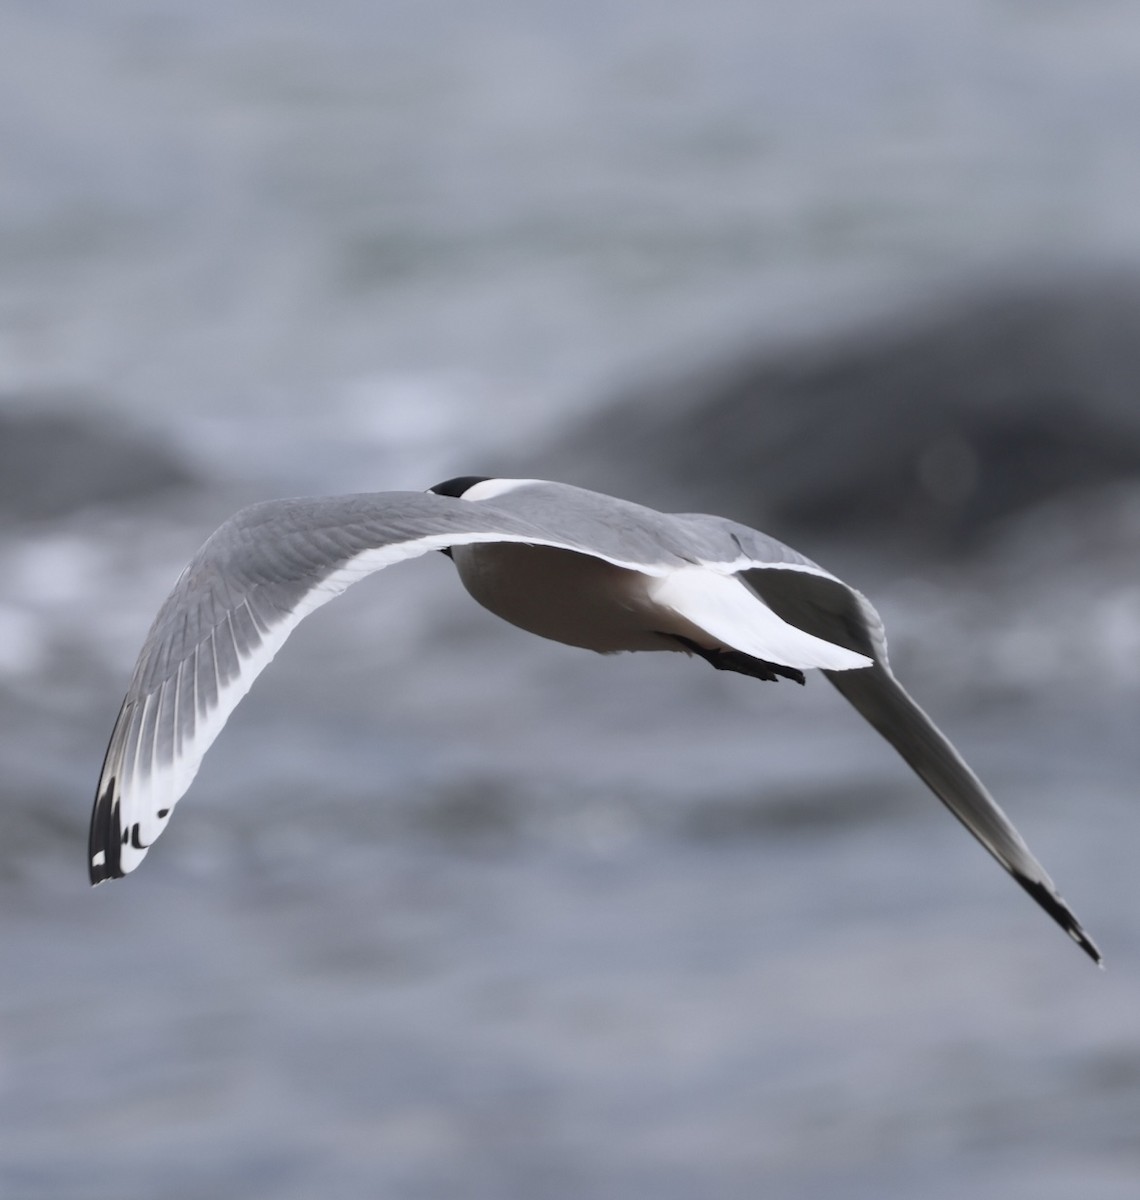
741, 663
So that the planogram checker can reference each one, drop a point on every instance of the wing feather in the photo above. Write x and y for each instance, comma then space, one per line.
828, 608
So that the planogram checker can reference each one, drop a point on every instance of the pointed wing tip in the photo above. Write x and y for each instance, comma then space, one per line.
105, 841
99, 872
1087, 945
1062, 914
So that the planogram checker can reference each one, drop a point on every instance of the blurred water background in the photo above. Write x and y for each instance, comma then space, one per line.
455, 912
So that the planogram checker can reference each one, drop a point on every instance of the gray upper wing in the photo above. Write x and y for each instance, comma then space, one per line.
826, 607
239, 598
725, 541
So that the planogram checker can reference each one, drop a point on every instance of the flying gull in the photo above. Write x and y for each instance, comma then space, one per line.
567, 564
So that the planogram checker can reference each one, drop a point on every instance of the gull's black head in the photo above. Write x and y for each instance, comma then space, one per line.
457, 486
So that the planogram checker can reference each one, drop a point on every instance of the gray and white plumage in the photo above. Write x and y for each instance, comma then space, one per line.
568, 564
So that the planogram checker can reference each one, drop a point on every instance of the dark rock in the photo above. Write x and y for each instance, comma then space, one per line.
920, 433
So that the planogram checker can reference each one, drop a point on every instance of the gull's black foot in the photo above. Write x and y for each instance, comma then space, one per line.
741, 663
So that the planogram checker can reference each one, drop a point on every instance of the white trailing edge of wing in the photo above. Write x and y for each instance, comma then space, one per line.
161, 737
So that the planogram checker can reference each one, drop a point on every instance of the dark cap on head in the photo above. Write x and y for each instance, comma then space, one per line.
457, 486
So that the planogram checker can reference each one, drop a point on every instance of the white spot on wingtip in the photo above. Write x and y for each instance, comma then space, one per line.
100, 859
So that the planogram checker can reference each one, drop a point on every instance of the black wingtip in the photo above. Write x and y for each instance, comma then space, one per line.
105, 839
1061, 913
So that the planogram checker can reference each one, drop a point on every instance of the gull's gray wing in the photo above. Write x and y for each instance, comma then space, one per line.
237, 601
807, 597
604, 524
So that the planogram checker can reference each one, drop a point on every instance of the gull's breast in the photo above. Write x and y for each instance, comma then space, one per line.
564, 596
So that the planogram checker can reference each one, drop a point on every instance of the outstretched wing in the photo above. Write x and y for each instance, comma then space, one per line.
820, 604
231, 610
